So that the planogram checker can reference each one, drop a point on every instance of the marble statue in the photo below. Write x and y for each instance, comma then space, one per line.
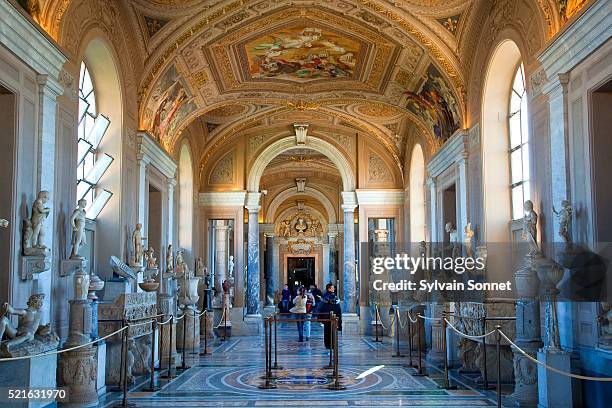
452, 239
565, 220
169, 258
150, 258
230, 267
468, 236
29, 322
301, 226
315, 228
530, 228
77, 221
39, 215
286, 228
179, 258
201, 269
137, 245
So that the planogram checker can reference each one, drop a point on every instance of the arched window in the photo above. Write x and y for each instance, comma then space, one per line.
185, 199
417, 195
92, 164
519, 143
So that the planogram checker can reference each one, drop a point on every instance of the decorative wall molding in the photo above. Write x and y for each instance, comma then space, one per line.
378, 172
223, 172
381, 197
222, 198
149, 151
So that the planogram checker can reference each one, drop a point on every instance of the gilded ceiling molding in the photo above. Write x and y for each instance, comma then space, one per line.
217, 14
439, 56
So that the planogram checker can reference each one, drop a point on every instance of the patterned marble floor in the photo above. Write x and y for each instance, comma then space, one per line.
231, 374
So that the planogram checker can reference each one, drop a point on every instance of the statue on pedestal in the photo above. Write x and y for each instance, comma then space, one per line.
28, 326
137, 246
39, 215
565, 220
467, 239
150, 258
201, 269
530, 228
77, 221
169, 258
230, 269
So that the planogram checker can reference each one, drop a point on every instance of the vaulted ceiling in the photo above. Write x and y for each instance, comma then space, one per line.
388, 69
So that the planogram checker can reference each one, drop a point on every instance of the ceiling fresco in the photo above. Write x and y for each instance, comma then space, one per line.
302, 52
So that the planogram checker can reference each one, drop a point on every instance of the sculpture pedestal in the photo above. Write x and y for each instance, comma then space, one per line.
350, 323
113, 288
32, 265
69, 266
166, 342
27, 374
192, 332
101, 363
78, 374
555, 390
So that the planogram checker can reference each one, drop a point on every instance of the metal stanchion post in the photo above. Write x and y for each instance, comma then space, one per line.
270, 323
184, 365
159, 343
485, 375
169, 373
377, 340
276, 366
409, 338
331, 354
224, 324
267, 384
205, 351
152, 387
419, 372
124, 355
446, 385
195, 332
397, 334
497, 344
336, 385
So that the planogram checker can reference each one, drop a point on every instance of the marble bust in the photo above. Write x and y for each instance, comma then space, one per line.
77, 221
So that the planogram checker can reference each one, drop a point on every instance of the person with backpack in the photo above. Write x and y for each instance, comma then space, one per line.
330, 303
299, 311
310, 308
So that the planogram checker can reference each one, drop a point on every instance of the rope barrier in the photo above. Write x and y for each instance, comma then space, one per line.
410, 317
50, 353
430, 318
468, 336
221, 320
380, 319
166, 322
556, 370
203, 312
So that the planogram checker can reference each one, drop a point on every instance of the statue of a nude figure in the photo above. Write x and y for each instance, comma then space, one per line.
29, 322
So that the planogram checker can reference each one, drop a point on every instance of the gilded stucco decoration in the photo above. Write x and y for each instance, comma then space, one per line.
223, 172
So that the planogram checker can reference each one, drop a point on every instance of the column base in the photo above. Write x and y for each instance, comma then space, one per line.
350, 323
554, 390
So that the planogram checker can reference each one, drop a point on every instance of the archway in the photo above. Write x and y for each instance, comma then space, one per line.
288, 143
309, 191
495, 141
417, 195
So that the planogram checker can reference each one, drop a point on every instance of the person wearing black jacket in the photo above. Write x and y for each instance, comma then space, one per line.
330, 303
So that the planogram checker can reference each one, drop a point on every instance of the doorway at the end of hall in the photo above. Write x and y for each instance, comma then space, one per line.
300, 271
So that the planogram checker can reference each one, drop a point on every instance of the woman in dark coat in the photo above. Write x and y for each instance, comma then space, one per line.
329, 303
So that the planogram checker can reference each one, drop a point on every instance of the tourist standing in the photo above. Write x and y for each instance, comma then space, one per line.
330, 303
299, 311
310, 308
285, 299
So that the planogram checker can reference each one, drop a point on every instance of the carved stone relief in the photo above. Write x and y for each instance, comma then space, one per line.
223, 173
378, 170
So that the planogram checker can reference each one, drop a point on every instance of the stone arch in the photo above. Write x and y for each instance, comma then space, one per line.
288, 143
278, 200
185, 202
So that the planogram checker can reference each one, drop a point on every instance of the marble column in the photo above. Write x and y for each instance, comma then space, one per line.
142, 190
331, 273
349, 289
272, 266
220, 228
252, 284
433, 231
326, 266
170, 233
47, 125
